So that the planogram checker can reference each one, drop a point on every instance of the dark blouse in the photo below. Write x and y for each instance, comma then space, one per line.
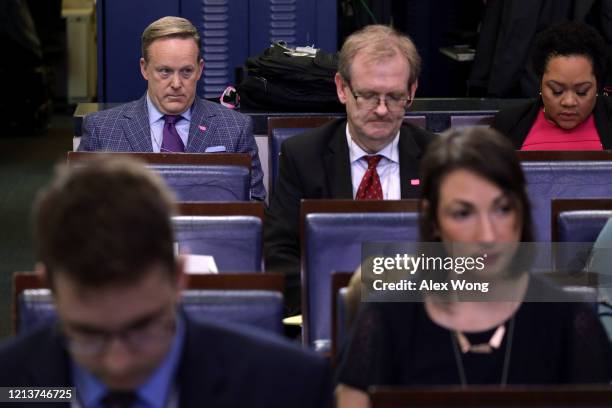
552, 343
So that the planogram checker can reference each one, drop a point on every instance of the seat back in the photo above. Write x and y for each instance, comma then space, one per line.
207, 183
231, 232
461, 121
253, 299
259, 308
333, 232
235, 241
578, 220
281, 129
553, 175
193, 177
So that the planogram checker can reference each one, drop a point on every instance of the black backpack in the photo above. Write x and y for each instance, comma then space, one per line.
276, 80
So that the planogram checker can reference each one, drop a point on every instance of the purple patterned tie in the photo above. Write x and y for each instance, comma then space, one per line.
172, 141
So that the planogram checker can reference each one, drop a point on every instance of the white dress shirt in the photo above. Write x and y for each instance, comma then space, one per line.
388, 168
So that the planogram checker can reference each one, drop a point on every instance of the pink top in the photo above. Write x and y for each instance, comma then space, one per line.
545, 135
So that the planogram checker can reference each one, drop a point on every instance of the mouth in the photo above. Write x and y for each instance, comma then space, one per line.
568, 115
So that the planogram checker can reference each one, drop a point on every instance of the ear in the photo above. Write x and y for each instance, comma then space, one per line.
412, 92
143, 69
340, 84
200, 67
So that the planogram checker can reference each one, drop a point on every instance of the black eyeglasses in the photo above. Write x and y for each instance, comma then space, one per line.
394, 102
142, 335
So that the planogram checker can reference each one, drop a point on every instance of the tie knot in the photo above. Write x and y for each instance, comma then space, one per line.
373, 160
172, 119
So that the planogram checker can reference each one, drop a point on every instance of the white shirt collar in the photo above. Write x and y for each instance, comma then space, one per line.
389, 152
155, 114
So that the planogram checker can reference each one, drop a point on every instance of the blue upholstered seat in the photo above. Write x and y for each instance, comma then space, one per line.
259, 308
581, 225
333, 243
461, 121
277, 137
206, 182
563, 179
234, 241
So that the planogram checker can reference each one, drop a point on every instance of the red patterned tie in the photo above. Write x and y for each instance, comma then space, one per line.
370, 188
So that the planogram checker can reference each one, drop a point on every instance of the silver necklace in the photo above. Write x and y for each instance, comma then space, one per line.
505, 367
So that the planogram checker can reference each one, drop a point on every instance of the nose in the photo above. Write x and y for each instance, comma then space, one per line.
569, 99
117, 357
486, 230
381, 108
176, 83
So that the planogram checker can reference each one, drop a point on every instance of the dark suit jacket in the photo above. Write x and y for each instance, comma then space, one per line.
316, 165
220, 367
125, 128
516, 122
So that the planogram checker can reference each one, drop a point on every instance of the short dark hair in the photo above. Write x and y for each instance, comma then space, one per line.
570, 39
483, 151
106, 222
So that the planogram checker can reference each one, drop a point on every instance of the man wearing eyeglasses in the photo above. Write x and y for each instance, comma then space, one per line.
105, 245
371, 155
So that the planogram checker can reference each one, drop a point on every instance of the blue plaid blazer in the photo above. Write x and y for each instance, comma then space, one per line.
125, 128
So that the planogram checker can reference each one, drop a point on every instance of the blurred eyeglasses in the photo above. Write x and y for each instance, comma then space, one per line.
395, 102
140, 336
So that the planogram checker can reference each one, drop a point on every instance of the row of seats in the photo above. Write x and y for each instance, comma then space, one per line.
251, 299
333, 234
550, 175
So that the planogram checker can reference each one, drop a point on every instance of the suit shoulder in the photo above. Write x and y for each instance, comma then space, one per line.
112, 113
422, 136
220, 110
507, 118
315, 138
20, 354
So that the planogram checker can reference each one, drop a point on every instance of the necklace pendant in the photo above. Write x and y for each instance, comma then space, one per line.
481, 348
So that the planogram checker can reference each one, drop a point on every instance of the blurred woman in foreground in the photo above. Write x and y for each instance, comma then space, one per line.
473, 193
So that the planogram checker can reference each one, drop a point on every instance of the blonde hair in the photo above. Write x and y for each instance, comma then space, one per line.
379, 41
168, 27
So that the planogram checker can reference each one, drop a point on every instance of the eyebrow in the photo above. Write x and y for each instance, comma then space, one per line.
553, 82
496, 201
138, 322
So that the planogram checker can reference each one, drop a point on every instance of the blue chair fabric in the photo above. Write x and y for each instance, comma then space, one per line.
235, 241
581, 225
258, 308
206, 182
333, 243
277, 137
563, 179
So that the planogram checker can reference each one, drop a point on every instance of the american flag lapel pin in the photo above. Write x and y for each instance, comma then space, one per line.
202, 128
415, 182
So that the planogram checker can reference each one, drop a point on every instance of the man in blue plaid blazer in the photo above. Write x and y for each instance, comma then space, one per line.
172, 66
